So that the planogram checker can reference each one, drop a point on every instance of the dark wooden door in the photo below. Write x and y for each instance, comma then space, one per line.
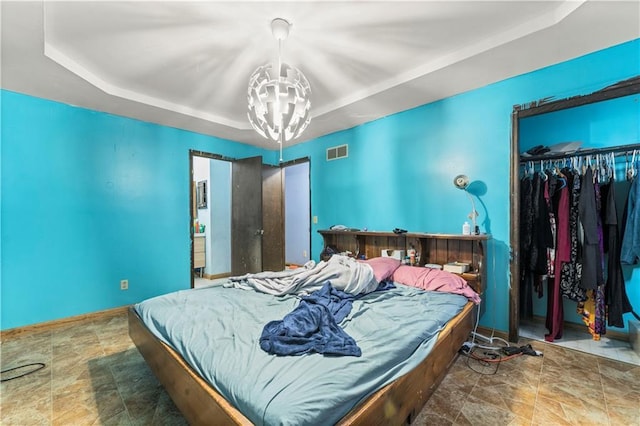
272, 219
246, 216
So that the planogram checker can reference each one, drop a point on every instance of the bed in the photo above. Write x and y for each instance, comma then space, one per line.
218, 374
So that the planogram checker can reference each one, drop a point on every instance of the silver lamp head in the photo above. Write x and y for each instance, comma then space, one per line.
461, 181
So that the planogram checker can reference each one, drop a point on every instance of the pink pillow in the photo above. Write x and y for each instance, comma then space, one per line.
410, 275
434, 280
382, 267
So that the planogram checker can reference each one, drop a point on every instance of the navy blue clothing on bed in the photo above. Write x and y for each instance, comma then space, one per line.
313, 326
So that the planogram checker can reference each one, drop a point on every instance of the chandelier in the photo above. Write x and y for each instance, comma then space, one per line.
278, 96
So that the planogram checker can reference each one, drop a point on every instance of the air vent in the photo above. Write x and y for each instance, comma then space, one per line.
337, 152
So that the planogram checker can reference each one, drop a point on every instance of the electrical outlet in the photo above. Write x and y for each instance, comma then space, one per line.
315, 219
124, 284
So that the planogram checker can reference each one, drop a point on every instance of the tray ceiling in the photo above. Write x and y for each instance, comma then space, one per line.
187, 64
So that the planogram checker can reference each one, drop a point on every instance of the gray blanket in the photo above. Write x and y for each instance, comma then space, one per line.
344, 273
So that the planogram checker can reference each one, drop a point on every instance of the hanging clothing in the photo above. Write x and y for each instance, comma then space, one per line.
542, 237
600, 325
631, 235
526, 236
615, 291
571, 270
593, 309
549, 191
590, 312
542, 228
571, 245
592, 273
555, 311
535, 241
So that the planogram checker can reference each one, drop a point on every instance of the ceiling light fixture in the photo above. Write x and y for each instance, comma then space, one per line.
279, 102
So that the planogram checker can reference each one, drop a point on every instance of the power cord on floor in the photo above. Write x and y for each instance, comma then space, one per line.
493, 350
475, 336
493, 356
38, 366
491, 340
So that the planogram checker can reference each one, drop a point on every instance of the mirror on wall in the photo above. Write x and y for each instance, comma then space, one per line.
201, 194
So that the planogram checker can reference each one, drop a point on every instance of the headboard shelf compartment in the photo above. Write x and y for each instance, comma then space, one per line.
432, 248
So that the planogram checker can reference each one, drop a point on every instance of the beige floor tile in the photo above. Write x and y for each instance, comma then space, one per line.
477, 412
95, 375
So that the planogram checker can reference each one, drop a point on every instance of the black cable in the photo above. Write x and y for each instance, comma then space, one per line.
480, 360
39, 365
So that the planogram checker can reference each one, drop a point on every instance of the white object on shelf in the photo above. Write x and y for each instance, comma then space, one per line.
396, 254
456, 267
466, 229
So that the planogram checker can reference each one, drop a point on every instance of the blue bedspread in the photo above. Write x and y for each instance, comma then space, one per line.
313, 326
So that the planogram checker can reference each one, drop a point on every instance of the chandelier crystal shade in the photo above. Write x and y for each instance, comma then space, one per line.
279, 96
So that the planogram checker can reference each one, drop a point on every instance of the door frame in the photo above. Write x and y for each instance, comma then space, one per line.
543, 106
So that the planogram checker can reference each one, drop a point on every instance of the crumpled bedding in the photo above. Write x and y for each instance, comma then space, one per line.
216, 331
344, 273
313, 326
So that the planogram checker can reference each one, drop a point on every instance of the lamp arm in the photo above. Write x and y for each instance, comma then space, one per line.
474, 213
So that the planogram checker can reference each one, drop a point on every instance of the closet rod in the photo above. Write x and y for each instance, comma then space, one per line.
582, 152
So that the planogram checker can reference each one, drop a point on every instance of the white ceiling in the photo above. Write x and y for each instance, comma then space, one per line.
187, 64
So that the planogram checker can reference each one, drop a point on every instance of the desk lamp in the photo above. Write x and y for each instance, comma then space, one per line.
462, 182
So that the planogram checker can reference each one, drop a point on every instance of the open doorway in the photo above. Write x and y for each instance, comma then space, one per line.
245, 215
297, 213
211, 215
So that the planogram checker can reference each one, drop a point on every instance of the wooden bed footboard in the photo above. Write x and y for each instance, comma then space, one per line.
395, 404
400, 401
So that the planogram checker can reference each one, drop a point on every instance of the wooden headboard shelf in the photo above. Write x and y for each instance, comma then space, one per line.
432, 248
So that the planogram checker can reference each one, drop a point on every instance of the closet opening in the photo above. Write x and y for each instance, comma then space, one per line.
604, 128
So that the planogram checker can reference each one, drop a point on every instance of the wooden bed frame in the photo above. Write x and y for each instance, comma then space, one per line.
397, 403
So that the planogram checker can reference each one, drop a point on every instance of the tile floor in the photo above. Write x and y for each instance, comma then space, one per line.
581, 340
95, 375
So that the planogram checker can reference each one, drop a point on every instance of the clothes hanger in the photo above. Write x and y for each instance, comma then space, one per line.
558, 170
631, 167
626, 165
601, 168
543, 175
612, 169
604, 167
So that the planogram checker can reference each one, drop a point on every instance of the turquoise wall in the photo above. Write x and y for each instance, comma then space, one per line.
89, 199
604, 124
400, 168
